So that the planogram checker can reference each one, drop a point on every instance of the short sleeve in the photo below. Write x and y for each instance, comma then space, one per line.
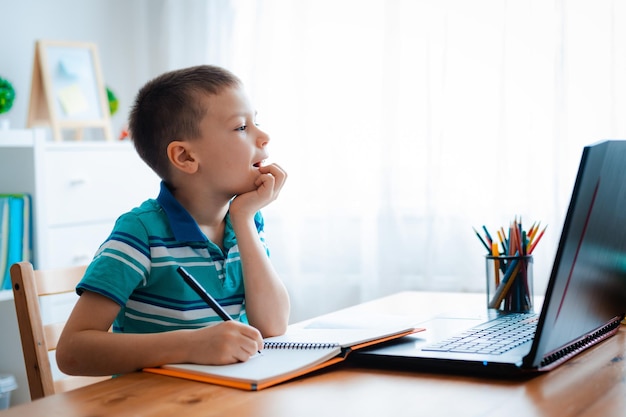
122, 262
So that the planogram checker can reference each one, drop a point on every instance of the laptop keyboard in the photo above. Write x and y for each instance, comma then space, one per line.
494, 337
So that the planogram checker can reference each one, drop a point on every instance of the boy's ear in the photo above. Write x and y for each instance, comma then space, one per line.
180, 155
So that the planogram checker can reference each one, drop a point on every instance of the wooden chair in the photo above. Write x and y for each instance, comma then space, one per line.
29, 286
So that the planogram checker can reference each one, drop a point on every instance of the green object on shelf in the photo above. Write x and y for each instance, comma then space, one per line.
7, 95
113, 101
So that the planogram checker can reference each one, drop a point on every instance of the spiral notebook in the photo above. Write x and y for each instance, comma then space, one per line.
298, 352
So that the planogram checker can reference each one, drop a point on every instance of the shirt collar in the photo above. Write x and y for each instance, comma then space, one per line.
183, 225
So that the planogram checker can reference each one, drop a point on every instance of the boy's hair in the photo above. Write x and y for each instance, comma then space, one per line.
169, 108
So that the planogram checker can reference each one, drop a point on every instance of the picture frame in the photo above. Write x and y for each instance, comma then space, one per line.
67, 90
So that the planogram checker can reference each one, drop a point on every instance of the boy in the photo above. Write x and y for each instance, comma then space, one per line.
196, 129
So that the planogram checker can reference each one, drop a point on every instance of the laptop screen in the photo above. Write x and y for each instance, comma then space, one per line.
588, 283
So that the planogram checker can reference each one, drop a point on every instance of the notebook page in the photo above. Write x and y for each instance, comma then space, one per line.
269, 364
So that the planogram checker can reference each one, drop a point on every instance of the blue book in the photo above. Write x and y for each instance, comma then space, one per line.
15, 251
4, 236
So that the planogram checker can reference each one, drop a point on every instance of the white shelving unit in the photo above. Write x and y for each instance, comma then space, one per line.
78, 190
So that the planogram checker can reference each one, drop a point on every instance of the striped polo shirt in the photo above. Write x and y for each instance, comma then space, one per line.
136, 268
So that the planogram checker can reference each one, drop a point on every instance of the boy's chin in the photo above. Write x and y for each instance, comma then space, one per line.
249, 189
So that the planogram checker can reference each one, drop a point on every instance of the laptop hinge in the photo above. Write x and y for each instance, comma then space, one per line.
557, 357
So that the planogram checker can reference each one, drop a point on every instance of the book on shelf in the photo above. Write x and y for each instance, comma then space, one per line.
15, 234
298, 352
4, 238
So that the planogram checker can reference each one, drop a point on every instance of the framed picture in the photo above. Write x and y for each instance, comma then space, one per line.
67, 91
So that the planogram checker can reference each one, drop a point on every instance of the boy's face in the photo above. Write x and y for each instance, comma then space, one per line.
231, 147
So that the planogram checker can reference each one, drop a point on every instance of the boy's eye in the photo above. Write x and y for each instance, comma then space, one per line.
242, 128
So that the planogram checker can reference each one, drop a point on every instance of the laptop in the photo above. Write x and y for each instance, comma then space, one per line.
584, 302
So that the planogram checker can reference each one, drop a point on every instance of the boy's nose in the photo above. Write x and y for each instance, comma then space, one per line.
262, 139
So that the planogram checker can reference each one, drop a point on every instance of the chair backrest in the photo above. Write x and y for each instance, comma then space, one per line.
29, 287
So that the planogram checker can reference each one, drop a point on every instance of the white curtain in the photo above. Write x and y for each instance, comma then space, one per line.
403, 123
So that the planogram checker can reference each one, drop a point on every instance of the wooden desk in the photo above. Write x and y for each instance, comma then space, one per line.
592, 384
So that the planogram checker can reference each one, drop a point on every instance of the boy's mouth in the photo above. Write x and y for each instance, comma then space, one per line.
258, 164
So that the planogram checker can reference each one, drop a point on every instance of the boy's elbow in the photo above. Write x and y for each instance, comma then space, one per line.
279, 331
275, 329
66, 359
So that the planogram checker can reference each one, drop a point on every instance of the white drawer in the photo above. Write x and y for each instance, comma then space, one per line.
73, 245
85, 186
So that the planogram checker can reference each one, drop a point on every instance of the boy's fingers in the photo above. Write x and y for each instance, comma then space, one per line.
279, 174
274, 169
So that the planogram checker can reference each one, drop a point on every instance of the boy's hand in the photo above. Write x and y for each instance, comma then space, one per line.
224, 343
269, 184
